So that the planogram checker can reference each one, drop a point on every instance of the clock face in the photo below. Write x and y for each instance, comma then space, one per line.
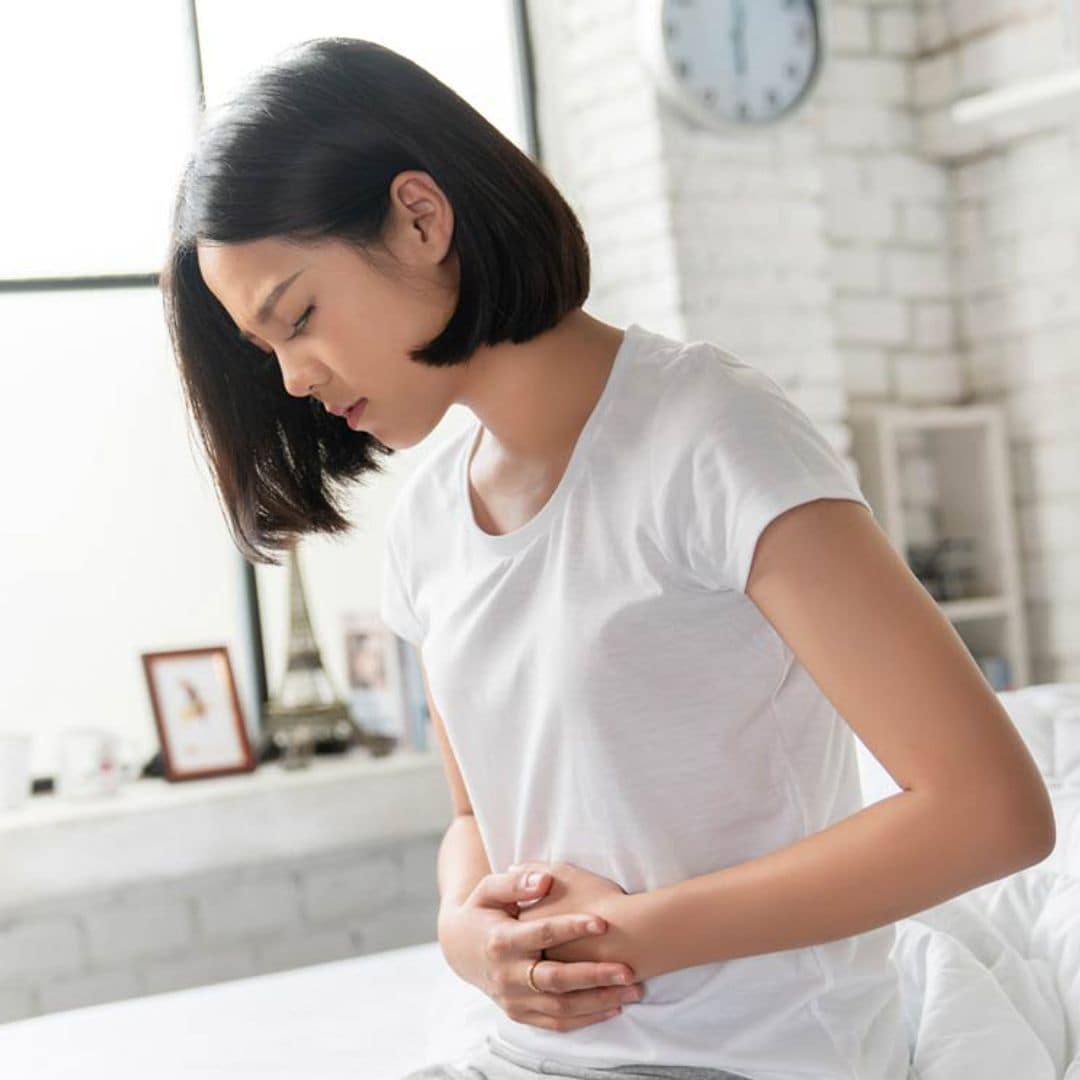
738, 61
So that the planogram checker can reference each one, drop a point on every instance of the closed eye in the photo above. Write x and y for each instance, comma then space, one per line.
301, 323
269, 357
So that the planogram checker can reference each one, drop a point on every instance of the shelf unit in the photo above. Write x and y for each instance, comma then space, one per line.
962, 489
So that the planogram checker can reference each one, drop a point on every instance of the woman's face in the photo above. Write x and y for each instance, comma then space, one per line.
342, 330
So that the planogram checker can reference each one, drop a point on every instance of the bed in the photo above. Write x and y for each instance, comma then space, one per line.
991, 981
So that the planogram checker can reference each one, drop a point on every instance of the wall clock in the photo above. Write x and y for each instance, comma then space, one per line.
732, 65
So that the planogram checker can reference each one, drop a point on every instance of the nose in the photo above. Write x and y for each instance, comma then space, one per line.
298, 376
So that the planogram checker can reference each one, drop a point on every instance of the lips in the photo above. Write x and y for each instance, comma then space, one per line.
354, 412
341, 410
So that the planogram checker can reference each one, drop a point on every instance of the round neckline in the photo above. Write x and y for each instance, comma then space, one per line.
513, 541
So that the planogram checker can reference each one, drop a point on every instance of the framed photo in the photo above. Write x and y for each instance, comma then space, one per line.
374, 676
197, 712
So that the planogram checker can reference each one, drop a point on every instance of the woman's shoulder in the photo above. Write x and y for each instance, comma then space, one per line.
702, 390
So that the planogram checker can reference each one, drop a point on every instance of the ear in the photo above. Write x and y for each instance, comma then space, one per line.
423, 219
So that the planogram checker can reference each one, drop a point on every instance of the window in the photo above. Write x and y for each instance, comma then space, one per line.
112, 542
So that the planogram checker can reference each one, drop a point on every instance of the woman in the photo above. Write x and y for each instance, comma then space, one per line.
646, 587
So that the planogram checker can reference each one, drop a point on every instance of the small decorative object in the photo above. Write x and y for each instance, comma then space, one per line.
197, 712
307, 713
93, 762
922, 559
946, 568
732, 65
372, 661
956, 567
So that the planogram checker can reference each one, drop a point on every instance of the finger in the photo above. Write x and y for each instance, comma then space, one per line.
586, 1002
531, 937
564, 1023
495, 890
565, 978
558, 977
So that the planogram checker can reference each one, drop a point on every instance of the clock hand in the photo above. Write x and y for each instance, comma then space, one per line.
738, 36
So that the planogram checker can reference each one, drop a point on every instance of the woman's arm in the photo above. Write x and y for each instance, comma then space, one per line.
973, 807
461, 862
900, 856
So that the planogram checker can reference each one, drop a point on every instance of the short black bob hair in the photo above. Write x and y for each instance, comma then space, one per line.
305, 150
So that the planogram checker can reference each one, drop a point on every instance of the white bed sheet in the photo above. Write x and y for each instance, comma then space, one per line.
355, 1019
991, 983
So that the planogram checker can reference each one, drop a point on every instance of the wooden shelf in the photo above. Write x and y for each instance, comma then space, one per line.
979, 607
962, 454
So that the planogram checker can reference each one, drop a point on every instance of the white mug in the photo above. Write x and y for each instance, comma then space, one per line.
15, 778
90, 764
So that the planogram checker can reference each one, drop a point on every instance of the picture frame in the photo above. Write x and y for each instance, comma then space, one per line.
373, 675
197, 711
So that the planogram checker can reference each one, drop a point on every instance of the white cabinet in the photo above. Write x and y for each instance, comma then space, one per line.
939, 483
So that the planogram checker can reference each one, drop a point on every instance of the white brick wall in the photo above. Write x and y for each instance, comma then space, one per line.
830, 251
850, 27
989, 253
169, 935
888, 217
1016, 237
896, 32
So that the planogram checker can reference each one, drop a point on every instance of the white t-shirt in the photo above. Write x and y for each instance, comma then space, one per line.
614, 699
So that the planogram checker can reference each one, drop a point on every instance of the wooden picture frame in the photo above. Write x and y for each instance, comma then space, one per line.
373, 675
197, 711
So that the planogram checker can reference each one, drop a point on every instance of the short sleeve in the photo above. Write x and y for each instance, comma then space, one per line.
396, 609
751, 453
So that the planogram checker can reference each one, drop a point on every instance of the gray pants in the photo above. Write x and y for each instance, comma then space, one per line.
494, 1060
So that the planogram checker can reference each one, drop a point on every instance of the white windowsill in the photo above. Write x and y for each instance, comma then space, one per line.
153, 829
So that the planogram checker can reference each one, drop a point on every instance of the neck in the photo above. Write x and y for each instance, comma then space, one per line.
533, 398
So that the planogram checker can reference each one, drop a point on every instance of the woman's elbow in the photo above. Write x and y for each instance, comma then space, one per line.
1034, 827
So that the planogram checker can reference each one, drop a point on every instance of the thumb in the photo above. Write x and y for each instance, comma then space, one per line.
496, 890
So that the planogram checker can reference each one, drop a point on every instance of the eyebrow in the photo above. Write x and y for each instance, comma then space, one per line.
262, 316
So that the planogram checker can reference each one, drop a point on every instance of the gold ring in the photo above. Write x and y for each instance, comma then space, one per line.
530, 975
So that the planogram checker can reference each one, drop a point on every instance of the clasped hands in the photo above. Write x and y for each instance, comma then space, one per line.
577, 891
499, 936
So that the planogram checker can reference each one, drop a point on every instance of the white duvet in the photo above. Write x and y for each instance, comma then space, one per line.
991, 978
991, 981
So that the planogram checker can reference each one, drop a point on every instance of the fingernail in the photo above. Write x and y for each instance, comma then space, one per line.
532, 880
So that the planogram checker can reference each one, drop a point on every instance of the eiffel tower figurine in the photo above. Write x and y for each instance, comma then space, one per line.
307, 709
